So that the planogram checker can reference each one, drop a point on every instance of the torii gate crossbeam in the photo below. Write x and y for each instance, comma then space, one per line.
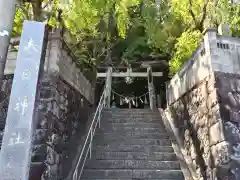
129, 73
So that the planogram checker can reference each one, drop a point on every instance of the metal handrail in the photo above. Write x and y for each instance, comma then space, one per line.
96, 121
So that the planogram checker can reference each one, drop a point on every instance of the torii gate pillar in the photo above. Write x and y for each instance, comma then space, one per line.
149, 74
151, 89
108, 88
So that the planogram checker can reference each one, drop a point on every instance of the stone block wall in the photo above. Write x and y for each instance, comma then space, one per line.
62, 114
59, 59
205, 114
228, 90
196, 117
192, 72
63, 111
5, 91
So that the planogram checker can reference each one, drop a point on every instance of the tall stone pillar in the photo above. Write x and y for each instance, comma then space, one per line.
15, 156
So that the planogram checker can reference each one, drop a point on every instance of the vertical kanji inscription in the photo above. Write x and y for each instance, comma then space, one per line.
15, 155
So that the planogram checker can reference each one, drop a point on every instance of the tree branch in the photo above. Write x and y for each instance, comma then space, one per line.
37, 9
204, 14
47, 3
25, 11
192, 13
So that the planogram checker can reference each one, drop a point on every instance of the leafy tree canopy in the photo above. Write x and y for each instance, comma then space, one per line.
131, 30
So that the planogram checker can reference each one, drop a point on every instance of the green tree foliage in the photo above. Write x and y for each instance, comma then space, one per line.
184, 47
196, 16
131, 30
228, 13
39, 10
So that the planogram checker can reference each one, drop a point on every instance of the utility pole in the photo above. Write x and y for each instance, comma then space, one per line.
7, 14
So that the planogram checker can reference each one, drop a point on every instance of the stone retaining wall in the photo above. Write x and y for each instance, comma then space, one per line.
228, 149
63, 111
194, 116
59, 59
205, 114
5, 91
62, 114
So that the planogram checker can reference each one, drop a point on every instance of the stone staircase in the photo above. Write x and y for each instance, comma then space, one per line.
132, 145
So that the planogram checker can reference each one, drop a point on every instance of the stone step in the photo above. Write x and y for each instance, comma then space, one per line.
127, 119
133, 124
124, 179
132, 114
128, 131
131, 141
142, 130
136, 135
110, 110
131, 111
132, 148
160, 156
132, 174
132, 164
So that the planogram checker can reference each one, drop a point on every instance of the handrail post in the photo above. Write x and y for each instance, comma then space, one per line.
90, 147
99, 117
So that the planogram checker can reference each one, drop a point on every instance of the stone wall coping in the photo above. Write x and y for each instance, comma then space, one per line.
52, 35
221, 53
66, 47
186, 66
59, 59
209, 30
192, 72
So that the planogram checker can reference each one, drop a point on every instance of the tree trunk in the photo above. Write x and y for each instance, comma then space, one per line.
37, 10
94, 83
7, 14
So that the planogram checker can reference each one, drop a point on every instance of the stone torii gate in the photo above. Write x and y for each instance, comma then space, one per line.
149, 74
